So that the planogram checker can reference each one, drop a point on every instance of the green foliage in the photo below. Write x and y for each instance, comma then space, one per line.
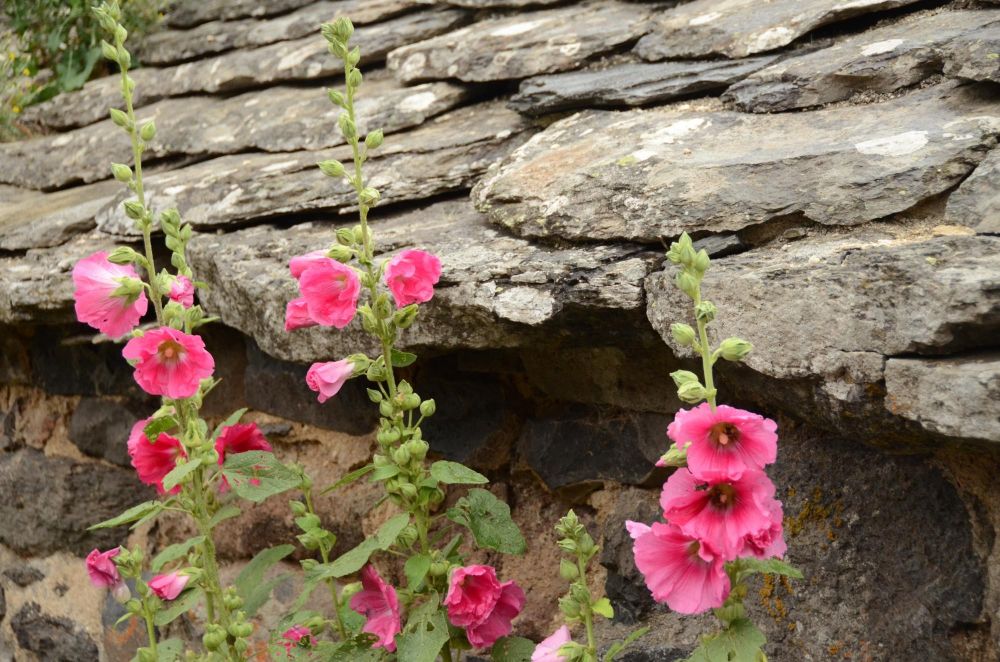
174, 552
512, 649
354, 559
350, 478
427, 635
742, 568
740, 642
618, 647
257, 475
453, 473
488, 518
250, 584
133, 514
185, 602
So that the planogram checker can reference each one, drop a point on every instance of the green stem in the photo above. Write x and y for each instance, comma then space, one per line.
706, 352
150, 628
331, 582
446, 652
585, 610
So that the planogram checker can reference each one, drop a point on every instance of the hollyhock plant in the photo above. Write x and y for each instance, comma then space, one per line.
768, 543
182, 291
378, 603
169, 362
168, 586
328, 378
724, 442
300, 263
411, 276
241, 438
153, 461
478, 602
295, 637
100, 300
297, 315
331, 292
102, 569
548, 649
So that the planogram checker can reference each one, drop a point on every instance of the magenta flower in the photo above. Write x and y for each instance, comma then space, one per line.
328, 378
168, 586
725, 442
296, 636
297, 315
102, 570
411, 276
770, 542
331, 292
679, 570
721, 513
96, 279
169, 362
378, 603
478, 602
153, 461
300, 263
241, 438
548, 649
182, 291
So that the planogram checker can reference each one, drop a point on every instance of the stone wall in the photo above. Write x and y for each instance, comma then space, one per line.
834, 157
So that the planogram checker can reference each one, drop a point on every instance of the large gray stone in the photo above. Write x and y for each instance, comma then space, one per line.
187, 13
277, 119
522, 45
100, 427
976, 203
737, 28
51, 638
630, 84
645, 175
494, 4
43, 221
881, 60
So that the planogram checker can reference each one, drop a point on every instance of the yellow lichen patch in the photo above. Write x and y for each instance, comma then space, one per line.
815, 511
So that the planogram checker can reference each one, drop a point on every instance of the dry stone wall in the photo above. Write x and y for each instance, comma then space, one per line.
837, 158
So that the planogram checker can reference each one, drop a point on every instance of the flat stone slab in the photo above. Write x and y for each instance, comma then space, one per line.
631, 84
277, 119
880, 60
953, 397
448, 153
494, 4
737, 28
188, 13
45, 220
495, 290
976, 203
645, 175
286, 61
522, 45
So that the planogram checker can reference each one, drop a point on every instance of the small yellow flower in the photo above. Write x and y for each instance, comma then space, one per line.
25, 72
16, 109
11, 55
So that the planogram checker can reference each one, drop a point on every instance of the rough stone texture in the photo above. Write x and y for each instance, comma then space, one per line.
55, 639
952, 397
644, 175
100, 427
188, 13
494, 4
631, 84
43, 222
522, 45
279, 119
24, 575
737, 28
976, 203
881, 60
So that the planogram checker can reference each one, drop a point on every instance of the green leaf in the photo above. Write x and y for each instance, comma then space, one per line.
157, 426
416, 569
224, 513
350, 478
512, 649
260, 593
132, 514
619, 646
425, 641
740, 642
183, 604
489, 520
604, 608
233, 419
353, 560
169, 650
742, 568
453, 473
174, 552
257, 475
402, 359
253, 575
179, 472
385, 472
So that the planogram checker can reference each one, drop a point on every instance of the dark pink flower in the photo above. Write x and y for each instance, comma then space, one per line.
770, 542
102, 569
296, 636
169, 362
378, 603
168, 586
548, 649
241, 438
331, 292
721, 513
725, 442
328, 378
300, 263
154, 461
680, 570
478, 602
182, 291
411, 276
96, 280
297, 315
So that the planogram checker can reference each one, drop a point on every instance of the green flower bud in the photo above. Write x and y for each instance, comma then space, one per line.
148, 131
408, 535
343, 29
702, 261
692, 393
134, 210
375, 395
370, 196
340, 253
687, 284
734, 349
332, 168
353, 57
683, 334
359, 234
417, 448
682, 377
328, 32
386, 409
405, 317
567, 545
438, 569
345, 236
411, 401
428, 407
121, 34
124, 57
568, 570
409, 490
580, 593
298, 508
569, 607
401, 456
121, 172
120, 119
109, 51
374, 139
347, 127
124, 255
241, 630
336, 98
705, 311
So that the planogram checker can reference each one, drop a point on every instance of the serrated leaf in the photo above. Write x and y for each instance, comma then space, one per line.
619, 646
224, 513
512, 649
402, 359
489, 520
257, 475
253, 574
174, 552
454, 473
415, 569
604, 608
425, 641
157, 426
740, 642
350, 478
131, 515
184, 603
353, 560
232, 419
179, 472
169, 650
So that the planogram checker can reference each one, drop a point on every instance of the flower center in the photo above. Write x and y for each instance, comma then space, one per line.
722, 496
724, 434
692, 548
170, 351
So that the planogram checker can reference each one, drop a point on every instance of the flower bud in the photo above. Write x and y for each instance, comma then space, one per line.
568, 570
298, 508
580, 593
411, 401
134, 209
705, 311
343, 29
341, 253
683, 334
375, 395
370, 196
417, 448
734, 349
405, 317
409, 490
347, 127
120, 593
682, 377
121, 172
438, 569
124, 57
687, 284
691, 392
109, 51
121, 34
353, 57
345, 236
120, 118
148, 131
428, 407
333, 167
401, 456
374, 139
569, 607
336, 97
702, 261
123, 255
386, 409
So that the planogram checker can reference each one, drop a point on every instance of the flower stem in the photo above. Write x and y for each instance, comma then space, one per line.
705, 351
150, 628
331, 582
585, 609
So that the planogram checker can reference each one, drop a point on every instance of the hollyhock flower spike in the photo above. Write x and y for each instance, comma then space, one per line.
102, 569
726, 442
328, 378
99, 300
153, 461
478, 602
378, 603
168, 586
297, 315
680, 570
770, 542
548, 649
169, 362
182, 291
331, 292
296, 636
411, 276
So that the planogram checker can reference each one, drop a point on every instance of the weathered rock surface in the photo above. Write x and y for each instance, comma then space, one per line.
632, 84
522, 45
976, 55
976, 203
496, 291
644, 175
737, 28
881, 60
494, 4
278, 119
192, 12
286, 61
100, 427
51, 638
35, 221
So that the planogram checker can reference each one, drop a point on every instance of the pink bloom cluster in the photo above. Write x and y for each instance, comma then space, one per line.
478, 602
95, 280
378, 603
168, 586
720, 508
297, 636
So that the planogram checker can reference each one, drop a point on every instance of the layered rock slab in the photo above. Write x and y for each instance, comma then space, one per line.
524, 44
880, 60
645, 175
976, 203
737, 28
45, 220
192, 12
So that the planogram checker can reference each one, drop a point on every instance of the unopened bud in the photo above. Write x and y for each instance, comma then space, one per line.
683, 334
702, 261
569, 607
340, 253
336, 97
121, 172
405, 317
428, 407
687, 284
354, 78
705, 311
682, 377
568, 570
120, 118
120, 593
109, 51
148, 131
370, 196
123, 255
417, 448
332, 168
734, 349
134, 209
374, 139
343, 28
347, 127
691, 393
401, 456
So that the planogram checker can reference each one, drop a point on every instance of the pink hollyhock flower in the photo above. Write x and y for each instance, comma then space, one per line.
297, 315
378, 603
721, 513
478, 602
685, 573
96, 279
328, 378
725, 442
300, 263
182, 291
411, 276
295, 636
169, 362
770, 542
548, 650
331, 292
240, 438
168, 586
102, 570
153, 461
